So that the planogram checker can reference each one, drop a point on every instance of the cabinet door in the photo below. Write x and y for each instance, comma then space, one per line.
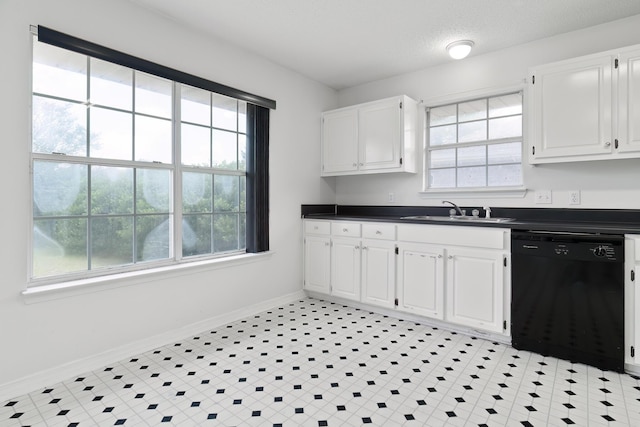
317, 263
421, 280
632, 299
629, 101
380, 135
474, 283
339, 141
345, 268
572, 110
378, 272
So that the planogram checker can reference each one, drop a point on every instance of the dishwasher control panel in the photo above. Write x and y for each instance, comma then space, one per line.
593, 248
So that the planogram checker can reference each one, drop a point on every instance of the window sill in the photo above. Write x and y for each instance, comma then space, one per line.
55, 291
472, 193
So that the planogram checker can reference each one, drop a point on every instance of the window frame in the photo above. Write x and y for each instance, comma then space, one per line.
472, 192
257, 137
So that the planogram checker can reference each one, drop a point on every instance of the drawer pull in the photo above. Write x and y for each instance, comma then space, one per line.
344, 230
378, 232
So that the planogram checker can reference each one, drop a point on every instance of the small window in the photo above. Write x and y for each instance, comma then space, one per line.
476, 143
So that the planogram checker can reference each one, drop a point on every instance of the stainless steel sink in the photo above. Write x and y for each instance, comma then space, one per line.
457, 218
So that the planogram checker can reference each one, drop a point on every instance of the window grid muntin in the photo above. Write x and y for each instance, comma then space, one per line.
90, 216
175, 168
457, 145
211, 171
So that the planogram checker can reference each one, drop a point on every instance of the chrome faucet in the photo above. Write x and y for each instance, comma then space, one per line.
460, 211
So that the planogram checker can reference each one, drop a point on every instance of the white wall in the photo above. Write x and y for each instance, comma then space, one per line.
45, 335
603, 184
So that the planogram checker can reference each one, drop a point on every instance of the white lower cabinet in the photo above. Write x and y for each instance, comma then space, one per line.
420, 279
345, 268
454, 274
457, 274
474, 287
317, 260
632, 300
351, 260
378, 272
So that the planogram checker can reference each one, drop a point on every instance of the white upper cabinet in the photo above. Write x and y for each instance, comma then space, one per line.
571, 114
380, 135
339, 142
629, 100
586, 108
374, 137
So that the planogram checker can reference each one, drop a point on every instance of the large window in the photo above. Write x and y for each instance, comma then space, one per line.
133, 170
476, 143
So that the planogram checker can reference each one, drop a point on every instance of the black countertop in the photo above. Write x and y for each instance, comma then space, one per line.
602, 221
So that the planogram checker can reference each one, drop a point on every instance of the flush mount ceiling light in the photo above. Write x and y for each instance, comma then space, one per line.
459, 49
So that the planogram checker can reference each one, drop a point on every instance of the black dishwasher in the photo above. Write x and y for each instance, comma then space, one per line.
568, 296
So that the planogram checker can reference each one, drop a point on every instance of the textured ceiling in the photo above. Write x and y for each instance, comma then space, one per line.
343, 43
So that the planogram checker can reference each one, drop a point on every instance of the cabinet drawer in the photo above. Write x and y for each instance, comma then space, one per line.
347, 229
379, 231
317, 227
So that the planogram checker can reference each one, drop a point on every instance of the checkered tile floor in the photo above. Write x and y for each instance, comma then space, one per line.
316, 363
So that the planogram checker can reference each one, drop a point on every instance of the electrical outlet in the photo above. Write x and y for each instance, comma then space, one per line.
543, 197
391, 198
574, 197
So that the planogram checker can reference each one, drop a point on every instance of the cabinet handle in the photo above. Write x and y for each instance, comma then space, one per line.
355, 164
361, 164
607, 144
378, 232
357, 247
344, 230
439, 256
365, 248
450, 256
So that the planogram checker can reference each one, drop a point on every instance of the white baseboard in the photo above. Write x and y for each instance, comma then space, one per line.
632, 369
63, 372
